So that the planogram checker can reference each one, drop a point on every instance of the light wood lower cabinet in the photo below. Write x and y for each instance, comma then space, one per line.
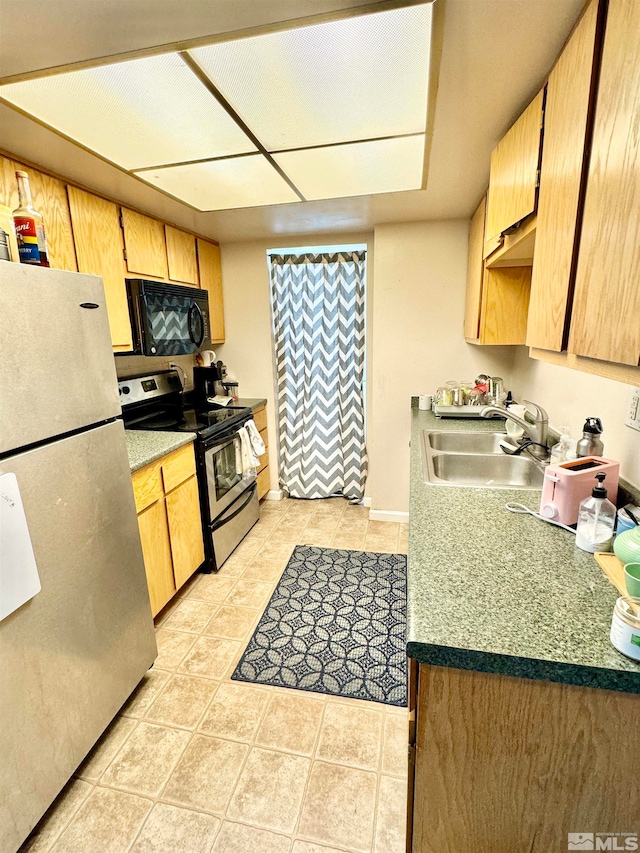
264, 476
167, 501
504, 764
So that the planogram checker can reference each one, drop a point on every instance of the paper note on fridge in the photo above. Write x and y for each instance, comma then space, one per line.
19, 579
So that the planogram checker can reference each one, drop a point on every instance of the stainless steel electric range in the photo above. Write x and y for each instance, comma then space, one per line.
228, 498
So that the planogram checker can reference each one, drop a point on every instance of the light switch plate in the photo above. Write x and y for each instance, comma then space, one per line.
633, 415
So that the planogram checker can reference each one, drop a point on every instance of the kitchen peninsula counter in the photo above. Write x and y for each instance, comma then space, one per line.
522, 714
494, 591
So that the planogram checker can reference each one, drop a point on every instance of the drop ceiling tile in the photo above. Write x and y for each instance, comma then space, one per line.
143, 112
357, 78
362, 168
221, 184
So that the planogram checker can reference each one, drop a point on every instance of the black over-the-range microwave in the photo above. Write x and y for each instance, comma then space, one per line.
167, 319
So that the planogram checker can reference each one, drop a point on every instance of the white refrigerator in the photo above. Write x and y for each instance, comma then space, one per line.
72, 653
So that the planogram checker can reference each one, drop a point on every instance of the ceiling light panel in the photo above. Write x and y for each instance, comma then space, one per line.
362, 168
221, 184
358, 78
143, 112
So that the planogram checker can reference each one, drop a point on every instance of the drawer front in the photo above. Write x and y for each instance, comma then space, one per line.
178, 467
265, 436
260, 418
147, 486
264, 482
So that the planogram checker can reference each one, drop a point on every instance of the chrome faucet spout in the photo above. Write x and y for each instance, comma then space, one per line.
537, 431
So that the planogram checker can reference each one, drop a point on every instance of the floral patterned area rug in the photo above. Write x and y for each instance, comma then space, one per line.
336, 624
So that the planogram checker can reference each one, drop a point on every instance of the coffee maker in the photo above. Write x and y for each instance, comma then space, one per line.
207, 382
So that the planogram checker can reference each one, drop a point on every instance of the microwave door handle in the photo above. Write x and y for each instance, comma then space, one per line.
195, 308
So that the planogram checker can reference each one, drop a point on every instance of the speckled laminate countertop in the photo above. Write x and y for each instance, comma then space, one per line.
145, 446
497, 592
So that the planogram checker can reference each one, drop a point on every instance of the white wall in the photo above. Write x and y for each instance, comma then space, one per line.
248, 352
418, 343
570, 396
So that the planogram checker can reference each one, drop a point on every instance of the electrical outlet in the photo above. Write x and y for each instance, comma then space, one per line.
633, 415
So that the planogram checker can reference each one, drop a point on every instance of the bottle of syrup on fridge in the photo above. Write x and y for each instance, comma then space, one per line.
29, 225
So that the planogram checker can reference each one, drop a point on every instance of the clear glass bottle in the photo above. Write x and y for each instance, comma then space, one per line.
560, 451
29, 225
596, 520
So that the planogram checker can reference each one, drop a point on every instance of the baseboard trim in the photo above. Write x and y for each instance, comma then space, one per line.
274, 495
388, 515
366, 502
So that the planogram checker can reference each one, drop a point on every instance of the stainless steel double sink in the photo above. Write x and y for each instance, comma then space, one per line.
476, 459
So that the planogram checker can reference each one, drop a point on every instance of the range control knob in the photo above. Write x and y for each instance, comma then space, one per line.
125, 389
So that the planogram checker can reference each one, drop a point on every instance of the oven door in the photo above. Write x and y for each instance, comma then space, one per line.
225, 481
173, 320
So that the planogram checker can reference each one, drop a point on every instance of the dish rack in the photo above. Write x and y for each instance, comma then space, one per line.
457, 411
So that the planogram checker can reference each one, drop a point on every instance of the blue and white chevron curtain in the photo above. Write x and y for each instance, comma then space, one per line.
318, 322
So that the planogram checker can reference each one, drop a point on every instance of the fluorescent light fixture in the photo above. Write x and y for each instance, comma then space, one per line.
144, 112
357, 78
361, 168
220, 184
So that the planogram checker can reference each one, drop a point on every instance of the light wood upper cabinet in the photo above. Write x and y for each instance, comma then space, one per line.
50, 198
564, 161
181, 256
514, 174
475, 273
211, 279
145, 246
497, 300
605, 323
98, 243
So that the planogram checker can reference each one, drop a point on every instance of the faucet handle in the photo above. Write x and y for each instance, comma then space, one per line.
541, 414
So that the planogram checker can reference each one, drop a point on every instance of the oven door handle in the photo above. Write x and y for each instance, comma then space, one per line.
220, 522
195, 308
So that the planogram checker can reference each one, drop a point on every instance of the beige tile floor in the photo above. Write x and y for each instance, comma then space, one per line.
197, 763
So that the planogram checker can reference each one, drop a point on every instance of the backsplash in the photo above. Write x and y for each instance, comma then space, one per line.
130, 365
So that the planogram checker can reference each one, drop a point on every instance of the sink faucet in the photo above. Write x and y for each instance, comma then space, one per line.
536, 431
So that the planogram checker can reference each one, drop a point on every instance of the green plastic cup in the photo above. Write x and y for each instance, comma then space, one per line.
632, 579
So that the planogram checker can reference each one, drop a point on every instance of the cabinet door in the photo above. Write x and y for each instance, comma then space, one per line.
514, 174
605, 322
98, 242
569, 93
183, 513
145, 245
211, 280
50, 198
154, 536
505, 305
181, 256
475, 273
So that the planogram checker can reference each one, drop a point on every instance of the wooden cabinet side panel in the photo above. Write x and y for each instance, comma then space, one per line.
145, 244
505, 306
514, 169
181, 256
210, 266
475, 273
563, 158
264, 482
605, 323
98, 241
154, 536
183, 513
50, 199
506, 764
